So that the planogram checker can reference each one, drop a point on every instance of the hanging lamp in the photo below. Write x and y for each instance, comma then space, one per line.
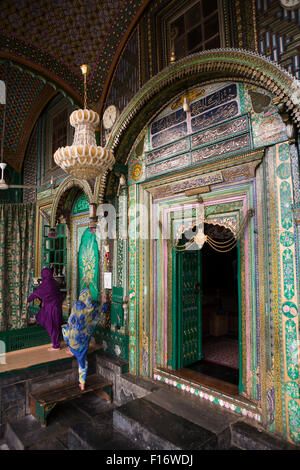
84, 159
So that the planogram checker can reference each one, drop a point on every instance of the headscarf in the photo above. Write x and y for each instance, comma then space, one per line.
48, 291
82, 322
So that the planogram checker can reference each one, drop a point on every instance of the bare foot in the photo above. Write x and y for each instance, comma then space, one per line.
69, 352
81, 386
53, 349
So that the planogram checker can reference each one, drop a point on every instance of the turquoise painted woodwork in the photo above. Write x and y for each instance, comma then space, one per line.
291, 349
88, 264
288, 274
55, 249
117, 312
81, 204
287, 239
286, 202
189, 331
283, 171
294, 420
289, 309
292, 389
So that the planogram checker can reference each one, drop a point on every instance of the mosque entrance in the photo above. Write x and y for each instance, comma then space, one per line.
207, 298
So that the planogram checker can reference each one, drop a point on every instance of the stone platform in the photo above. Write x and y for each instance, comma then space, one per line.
145, 414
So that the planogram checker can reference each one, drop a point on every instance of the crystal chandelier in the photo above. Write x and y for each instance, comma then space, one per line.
84, 159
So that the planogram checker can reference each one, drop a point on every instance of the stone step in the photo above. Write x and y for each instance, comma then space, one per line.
125, 386
107, 364
27, 432
87, 436
250, 437
200, 412
129, 387
156, 428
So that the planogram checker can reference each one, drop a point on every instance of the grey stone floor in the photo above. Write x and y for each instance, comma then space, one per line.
28, 434
88, 423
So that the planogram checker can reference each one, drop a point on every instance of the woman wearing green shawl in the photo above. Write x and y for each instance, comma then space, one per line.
81, 325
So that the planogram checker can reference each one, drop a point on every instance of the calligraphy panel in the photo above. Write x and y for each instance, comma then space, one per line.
215, 116
168, 151
169, 135
220, 132
168, 121
214, 100
168, 165
230, 146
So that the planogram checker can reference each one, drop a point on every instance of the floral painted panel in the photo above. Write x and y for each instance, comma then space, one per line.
291, 349
288, 274
88, 264
286, 202
294, 420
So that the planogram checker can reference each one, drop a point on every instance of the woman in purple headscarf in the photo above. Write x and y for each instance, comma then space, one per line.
50, 315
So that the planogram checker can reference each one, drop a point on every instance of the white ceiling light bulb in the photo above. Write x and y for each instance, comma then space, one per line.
3, 184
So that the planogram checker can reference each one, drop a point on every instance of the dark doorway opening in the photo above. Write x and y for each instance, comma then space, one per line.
220, 312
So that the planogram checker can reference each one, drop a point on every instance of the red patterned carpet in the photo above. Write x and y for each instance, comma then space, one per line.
221, 351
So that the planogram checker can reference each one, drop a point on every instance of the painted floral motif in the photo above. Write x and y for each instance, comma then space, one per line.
289, 309
288, 274
88, 265
292, 389
294, 420
283, 152
287, 239
286, 201
291, 349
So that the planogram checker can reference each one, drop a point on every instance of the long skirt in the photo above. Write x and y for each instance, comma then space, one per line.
81, 357
50, 317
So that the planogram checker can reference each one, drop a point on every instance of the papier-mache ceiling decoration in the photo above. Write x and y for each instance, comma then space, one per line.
26, 97
42, 45
56, 36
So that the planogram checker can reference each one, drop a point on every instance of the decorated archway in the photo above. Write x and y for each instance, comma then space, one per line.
66, 185
205, 67
256, 177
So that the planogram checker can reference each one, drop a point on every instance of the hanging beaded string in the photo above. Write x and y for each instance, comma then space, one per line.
221, 247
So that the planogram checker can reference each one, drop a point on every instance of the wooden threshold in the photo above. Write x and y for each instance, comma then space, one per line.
207, 381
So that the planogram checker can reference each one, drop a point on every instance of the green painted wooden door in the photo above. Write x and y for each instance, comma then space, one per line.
88, 264
188, 267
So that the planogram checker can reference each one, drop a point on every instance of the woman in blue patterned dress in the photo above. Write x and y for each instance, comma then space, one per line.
81, 325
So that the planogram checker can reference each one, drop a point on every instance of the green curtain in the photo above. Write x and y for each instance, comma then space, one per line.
17, 223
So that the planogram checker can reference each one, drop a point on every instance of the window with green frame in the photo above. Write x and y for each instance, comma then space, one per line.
55, 249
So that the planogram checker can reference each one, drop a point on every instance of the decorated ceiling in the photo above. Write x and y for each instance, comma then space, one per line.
57, 36
42, 45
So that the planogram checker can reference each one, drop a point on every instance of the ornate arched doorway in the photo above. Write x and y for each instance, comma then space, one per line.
206, 304
253, 167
